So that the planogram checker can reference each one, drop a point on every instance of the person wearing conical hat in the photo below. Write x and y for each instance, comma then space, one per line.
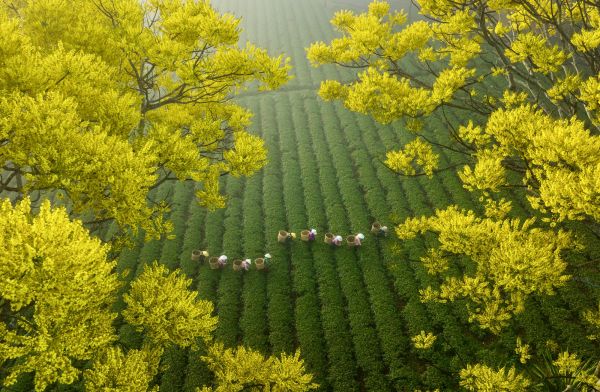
246, 264
358, 238
267, 259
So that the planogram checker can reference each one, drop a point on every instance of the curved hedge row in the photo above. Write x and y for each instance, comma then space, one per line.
228, 304
194, 236
393, 333
175, 358
254, 295
281, 304
308, 324
342, 366
210, 236
334, 177
409, 276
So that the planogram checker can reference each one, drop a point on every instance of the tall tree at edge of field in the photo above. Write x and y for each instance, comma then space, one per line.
104, 101
516, 84
56, 317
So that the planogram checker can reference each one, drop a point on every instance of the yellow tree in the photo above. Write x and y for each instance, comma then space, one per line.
103, 101
514, 84
57, 292
242, 369
159, 301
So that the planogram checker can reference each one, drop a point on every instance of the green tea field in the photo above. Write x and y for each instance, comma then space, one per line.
351, 311
299, 195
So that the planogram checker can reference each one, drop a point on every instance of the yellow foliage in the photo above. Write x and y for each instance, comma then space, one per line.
424, 341
482, 378
435, 7
57, 292
209, 196
501, 28
415, 155
565, 87
531, 46
332, 89
237, 369
104, 100
434, 261
523, 351
489, 173
573, 368
587, 40
563, 160
379, 8
497, 209
567, 363
386, 97
116, 371
511, 99
414, 37
590, 93
448, 82
557, 158
375, 40
592, 317
459, 45
160, 304
247, 155
474, 135
512, 261
59, 287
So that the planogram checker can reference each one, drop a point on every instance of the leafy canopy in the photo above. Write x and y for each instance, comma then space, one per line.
57, 292
105, 100
56, 289
160, 305
510, 87
242, 369
523, 74
114, 370
512, 261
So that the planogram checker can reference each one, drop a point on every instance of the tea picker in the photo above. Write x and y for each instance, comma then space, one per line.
337, 240
199, 255
358, 238
308, 235
379, 230
246, 264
